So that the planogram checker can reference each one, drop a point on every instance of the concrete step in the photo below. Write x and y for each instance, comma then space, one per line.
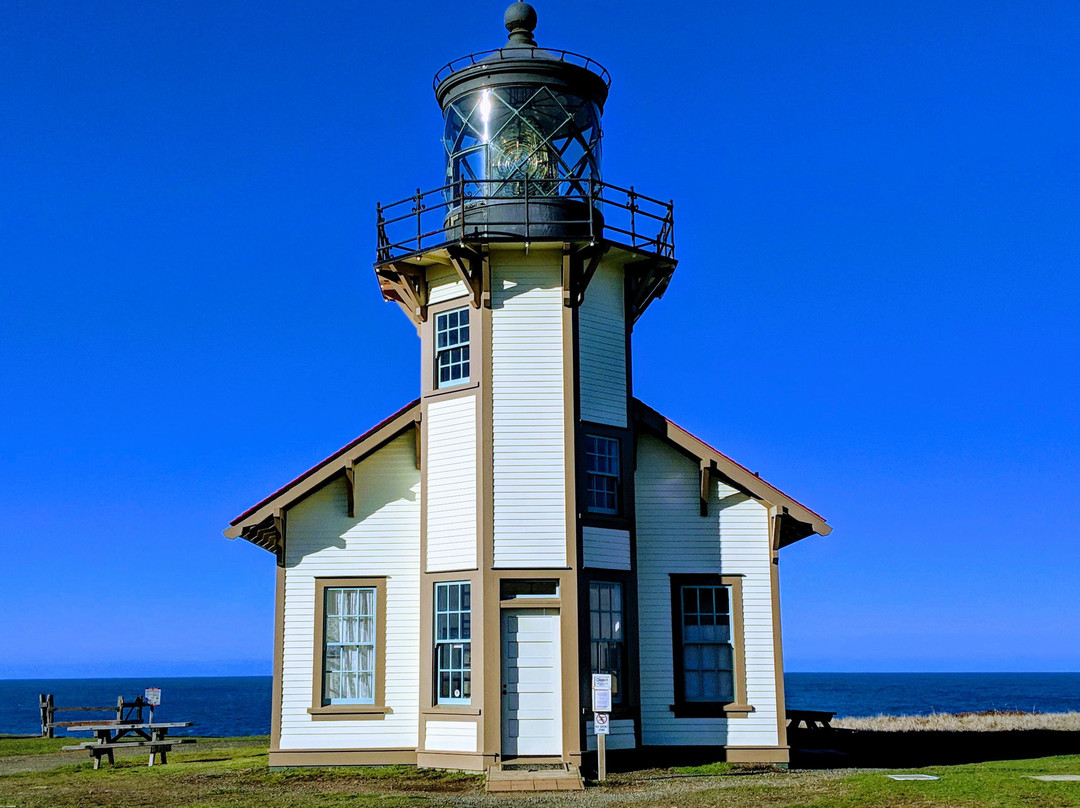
518, 775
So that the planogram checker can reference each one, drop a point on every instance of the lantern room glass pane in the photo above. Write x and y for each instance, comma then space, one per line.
497, 137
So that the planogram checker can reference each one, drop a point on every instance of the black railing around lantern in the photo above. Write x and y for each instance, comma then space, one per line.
544, 54
517, 209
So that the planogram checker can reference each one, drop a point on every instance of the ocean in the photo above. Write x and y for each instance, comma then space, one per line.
240, 705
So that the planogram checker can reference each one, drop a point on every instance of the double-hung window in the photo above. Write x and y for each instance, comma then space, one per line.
452, 347
607, 634
706, 623
708, 653
453, 643
349, 637
601, 474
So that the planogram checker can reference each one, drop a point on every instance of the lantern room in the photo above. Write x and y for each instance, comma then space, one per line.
519, 114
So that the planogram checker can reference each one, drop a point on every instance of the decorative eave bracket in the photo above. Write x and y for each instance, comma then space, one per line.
471, 262
579, 266
405, 284
648, 281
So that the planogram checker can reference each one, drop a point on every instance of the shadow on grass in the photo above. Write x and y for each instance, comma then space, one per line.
832, 748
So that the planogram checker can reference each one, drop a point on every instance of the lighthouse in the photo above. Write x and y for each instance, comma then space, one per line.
524, 274
450, 581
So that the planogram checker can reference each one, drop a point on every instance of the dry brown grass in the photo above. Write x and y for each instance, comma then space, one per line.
989, 721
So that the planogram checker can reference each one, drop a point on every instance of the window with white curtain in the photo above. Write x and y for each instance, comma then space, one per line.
349, 645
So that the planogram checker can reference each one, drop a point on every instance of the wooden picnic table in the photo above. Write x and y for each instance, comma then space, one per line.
813, 719
110, 736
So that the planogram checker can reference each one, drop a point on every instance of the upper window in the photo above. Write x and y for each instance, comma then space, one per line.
453, 646
606, 634
349, 645
601, 474
452, 347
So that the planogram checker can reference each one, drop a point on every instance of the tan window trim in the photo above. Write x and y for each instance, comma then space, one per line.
530, 603
450, 709
704, 709
709, 709
349, 712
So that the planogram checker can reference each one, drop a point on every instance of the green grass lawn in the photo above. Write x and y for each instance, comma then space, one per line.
220, 773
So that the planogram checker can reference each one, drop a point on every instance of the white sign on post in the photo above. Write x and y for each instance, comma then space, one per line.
601, 692
601, 723
152, 696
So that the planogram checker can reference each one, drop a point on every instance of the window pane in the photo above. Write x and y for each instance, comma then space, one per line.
452, 626
710, 686
692, 686
725, 686
349, 649
602, 473
605, 627
708, 656
452, 346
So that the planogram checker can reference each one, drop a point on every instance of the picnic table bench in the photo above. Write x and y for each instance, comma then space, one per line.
109, 737
126, 712
813, 719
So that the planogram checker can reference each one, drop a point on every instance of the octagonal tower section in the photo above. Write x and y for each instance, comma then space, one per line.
524, 274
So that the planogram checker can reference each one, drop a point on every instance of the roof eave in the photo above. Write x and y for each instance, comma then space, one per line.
798, 523
259, 522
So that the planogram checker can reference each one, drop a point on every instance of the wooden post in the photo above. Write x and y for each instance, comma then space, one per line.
47, 711
601, 758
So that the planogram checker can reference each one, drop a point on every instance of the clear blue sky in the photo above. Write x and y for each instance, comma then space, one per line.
878, 227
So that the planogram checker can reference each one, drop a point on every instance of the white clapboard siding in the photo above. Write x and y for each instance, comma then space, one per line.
444, 284
602, 349
451, 484
450, 736
672, 537
382, 540
621, 735
605, 548
528, 473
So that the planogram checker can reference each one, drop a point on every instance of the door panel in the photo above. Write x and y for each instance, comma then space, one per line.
532, 699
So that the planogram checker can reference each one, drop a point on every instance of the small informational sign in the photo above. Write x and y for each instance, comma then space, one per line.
601, 723
152, 696
601, 692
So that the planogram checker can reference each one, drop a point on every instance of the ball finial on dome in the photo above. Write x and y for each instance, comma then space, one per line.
520, 20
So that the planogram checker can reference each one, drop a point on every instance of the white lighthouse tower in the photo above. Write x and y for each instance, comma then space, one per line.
525, 274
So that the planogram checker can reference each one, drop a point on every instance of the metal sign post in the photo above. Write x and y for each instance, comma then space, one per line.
601, 700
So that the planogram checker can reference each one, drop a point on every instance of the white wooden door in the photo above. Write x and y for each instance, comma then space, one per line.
532, 697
